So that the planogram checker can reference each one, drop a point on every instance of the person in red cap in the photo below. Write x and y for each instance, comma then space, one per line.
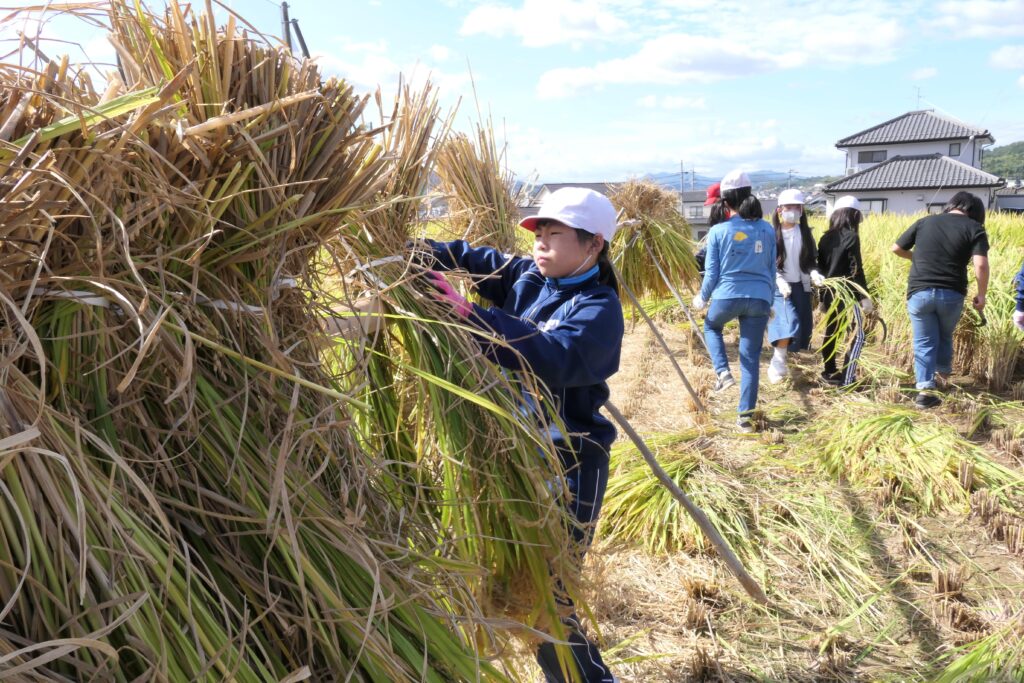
560, 314
718, 213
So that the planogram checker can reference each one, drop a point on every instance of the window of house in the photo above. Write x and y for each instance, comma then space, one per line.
696, 212
935, 208
701, 234
876, 157
954, 149
872, 205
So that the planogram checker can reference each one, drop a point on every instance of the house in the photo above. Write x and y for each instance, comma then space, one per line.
1011, 197
534, 199
914, 162
695, 213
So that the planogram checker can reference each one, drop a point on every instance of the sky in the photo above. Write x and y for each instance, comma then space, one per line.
605, 90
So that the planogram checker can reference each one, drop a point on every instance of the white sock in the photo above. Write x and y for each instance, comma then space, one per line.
779, 357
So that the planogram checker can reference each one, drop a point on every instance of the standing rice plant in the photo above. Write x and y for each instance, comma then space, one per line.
653, 249
990, 353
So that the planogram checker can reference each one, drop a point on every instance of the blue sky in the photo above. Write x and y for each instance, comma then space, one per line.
592, 90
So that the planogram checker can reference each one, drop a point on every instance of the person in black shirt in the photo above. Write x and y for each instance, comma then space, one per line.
839, 256
939, 248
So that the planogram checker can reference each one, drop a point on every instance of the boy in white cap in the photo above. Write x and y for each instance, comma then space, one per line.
791, 327
739, 281
560, 313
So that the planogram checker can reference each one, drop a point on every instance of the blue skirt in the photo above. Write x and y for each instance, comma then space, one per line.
793, 318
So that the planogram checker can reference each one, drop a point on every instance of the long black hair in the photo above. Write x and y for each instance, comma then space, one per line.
970, 204
845, 219
808, 252
605, 272
743, 202
718, 213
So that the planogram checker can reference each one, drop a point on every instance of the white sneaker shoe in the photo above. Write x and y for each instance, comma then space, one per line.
777, 372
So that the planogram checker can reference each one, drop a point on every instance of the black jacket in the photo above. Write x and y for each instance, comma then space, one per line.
839, 256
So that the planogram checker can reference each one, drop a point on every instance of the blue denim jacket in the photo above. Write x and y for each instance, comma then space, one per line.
740, 261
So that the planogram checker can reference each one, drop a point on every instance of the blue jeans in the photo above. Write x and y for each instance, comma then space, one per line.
753, 318
934, 314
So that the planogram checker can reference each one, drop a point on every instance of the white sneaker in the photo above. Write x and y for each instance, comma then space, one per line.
777, 372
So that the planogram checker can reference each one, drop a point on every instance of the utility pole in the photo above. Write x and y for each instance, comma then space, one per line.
789, 183
682, 186
918, 88
286, 25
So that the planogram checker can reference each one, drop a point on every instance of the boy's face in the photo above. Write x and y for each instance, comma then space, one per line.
558, 251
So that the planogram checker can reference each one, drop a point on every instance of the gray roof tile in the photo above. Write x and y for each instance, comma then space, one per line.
914, 126
919, 171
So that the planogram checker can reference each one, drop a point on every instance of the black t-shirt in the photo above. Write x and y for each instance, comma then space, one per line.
942, 247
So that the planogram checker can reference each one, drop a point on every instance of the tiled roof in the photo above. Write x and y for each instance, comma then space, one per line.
695, 196
916, 172
1010, 191
603, 188
914, 126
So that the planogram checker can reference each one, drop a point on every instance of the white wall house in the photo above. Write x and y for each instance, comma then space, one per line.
541, 191
914, 162
1011, 197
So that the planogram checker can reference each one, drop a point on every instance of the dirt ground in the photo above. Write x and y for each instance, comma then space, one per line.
683, 617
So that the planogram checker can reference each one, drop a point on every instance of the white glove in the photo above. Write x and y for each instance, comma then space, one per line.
1018, 320
784, 289
817, 279
866, 306
698, 302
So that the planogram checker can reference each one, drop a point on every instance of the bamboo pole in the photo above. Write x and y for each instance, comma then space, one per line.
661, 340
671, 288
748, 582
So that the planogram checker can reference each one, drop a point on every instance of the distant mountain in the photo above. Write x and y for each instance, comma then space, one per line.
1006, 161
760, 179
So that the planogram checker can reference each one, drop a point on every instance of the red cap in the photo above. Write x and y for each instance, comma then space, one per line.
714, 194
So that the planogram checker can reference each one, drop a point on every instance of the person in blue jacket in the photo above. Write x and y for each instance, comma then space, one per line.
560, 314
1018, 313
739, 281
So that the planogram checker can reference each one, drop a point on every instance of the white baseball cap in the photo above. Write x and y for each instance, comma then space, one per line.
791, 196
847, 201
578, 208
734, 180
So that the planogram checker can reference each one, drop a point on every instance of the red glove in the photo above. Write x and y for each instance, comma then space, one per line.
447, 294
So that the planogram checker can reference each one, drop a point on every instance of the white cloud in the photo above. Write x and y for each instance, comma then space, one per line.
439, 53
368, 66
1020, 81
540, 23
672, 102
631, 148
668, 60
924, 73
981, 18
1008, 57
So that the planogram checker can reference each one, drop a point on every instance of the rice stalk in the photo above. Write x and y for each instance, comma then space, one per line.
652, 233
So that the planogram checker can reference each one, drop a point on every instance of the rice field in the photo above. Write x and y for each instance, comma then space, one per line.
887, 539
200, 480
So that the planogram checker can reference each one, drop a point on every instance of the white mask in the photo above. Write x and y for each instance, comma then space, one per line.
791, 217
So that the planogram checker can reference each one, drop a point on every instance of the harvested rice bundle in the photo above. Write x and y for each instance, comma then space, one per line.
654, 250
